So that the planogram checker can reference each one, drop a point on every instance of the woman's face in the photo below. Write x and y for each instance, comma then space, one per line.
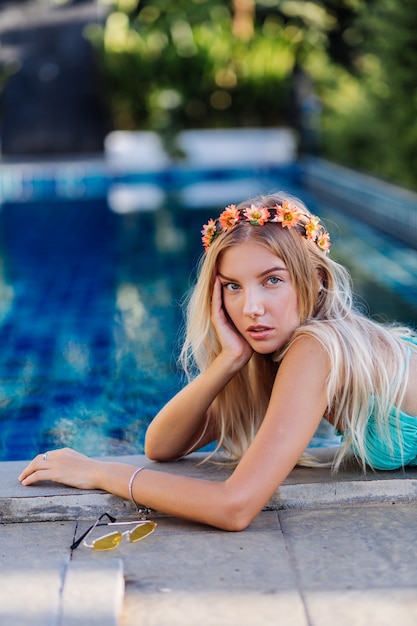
258, 296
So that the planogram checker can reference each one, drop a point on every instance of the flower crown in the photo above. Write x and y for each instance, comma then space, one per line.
287, 214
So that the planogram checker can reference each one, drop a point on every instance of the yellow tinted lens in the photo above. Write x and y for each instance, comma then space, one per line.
108, 542
141, 531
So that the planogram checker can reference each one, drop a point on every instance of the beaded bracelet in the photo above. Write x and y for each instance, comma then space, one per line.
143, 510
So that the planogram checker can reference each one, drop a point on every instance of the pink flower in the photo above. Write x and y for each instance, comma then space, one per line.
288, 214
229, 217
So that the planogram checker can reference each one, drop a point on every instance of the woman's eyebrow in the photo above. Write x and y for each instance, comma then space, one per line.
277, 268
223, 276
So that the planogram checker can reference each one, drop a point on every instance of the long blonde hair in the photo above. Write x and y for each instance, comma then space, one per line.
368, 370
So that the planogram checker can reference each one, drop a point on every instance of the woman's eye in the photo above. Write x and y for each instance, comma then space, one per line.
231, 286
273, 280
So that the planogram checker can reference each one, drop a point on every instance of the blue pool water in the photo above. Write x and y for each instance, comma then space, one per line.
89, 324
90, 321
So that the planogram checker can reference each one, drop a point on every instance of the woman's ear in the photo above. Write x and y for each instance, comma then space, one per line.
321, 280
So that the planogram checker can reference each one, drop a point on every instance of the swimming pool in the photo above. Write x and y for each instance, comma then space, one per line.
89, 325
90, 316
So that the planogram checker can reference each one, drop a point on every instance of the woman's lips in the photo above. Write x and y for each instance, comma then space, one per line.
259, 332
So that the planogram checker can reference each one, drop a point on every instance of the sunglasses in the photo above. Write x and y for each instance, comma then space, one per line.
112, 540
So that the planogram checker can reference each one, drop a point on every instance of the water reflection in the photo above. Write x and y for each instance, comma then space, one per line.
384, 272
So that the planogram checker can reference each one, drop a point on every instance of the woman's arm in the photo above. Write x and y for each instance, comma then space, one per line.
298, 402
184, 423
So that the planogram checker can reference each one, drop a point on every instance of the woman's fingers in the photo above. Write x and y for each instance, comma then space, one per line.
37, 464
230, 339
63, 466
216, 298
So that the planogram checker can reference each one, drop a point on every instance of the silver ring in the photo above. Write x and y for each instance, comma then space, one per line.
45, 457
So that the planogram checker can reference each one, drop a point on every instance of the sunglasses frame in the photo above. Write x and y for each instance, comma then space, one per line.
113, 522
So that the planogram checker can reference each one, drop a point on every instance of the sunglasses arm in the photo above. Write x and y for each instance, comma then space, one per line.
83, 536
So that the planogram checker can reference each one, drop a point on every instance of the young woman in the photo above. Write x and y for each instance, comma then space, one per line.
276, 345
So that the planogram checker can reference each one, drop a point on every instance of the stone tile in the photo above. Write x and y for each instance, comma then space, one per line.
228, 608
356, 565
30, 594
93, 593
40, 586
365, 607
187, 575
35, 543
33, 562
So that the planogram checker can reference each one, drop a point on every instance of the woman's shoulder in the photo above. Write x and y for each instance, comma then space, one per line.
347, 332
324, 346
315, 333
307, 347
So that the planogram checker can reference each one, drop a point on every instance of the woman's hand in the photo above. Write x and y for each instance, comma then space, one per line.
64, 466
232, 342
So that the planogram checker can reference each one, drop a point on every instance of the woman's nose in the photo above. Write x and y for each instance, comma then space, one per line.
253, 306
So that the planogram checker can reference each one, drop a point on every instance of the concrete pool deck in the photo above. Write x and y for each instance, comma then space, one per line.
325, 551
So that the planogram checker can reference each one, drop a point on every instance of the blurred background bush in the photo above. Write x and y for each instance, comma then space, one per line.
348, 66
342, 73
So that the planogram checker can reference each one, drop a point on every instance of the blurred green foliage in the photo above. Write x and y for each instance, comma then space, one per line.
176, 64
173, 64
369, 119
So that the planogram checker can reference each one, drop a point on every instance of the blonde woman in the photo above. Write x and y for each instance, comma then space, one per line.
273, 345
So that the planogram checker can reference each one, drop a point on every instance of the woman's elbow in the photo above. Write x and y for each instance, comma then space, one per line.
153, 450
235, 524
157, 453
237, 514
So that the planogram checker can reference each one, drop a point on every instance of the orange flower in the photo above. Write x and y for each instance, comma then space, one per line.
229, 217
257, 215
323, 242
288, 214
312, 228
208, 232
